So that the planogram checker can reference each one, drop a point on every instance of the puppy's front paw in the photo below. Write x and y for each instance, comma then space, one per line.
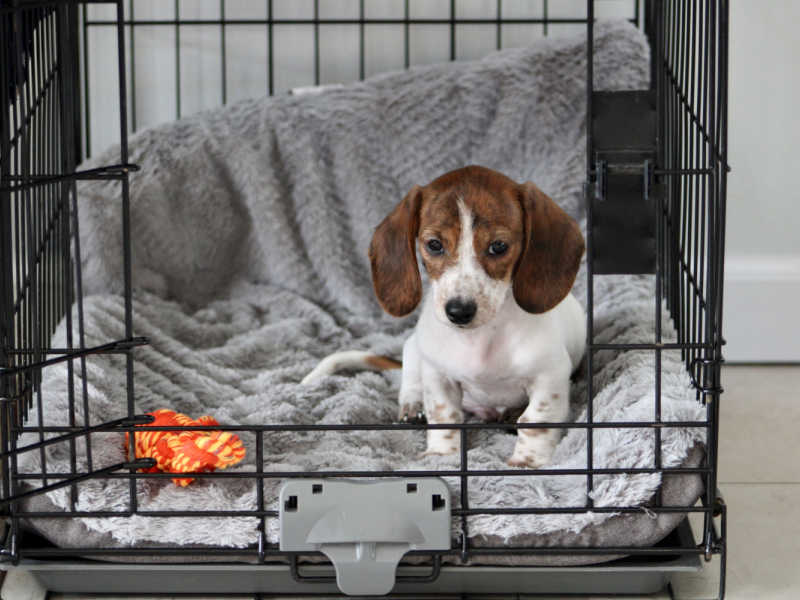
412, 412
441, 450
442, 442
527, 461
532, 451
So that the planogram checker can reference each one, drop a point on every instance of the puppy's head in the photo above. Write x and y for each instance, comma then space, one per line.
481, 236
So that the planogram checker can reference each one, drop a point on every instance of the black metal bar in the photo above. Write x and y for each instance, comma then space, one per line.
361, 17
260, 492
717, 267
499, 30
510, 472
406, 44
465, 546
270, 51
262, 514
412, 426
693, 186
111, 347
126, 226
132, 52
452, 23
316, 23
545, 17
225, 551
74, 480
86, 102
703, 155
108, 172
223, 50
588, 195
7, 336
74, 432
664, 172
177, 22
348, 21
650, 346
658, 298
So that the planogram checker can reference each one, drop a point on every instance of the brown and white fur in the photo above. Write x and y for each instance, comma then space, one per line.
499, 329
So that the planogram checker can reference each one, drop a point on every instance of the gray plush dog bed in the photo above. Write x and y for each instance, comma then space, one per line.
250, 227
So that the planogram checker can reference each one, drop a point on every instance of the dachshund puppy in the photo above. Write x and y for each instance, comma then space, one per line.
499, 329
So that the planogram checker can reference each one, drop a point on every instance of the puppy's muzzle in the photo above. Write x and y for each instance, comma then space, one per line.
460, 312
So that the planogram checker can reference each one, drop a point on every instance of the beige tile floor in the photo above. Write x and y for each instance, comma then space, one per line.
760, 480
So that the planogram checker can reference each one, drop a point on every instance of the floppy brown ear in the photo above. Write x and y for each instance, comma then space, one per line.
392, 254
551, 254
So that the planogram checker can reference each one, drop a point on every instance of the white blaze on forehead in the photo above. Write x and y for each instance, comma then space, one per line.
466, 244
466, 279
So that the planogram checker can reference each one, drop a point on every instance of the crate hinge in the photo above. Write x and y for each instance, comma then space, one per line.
700, 371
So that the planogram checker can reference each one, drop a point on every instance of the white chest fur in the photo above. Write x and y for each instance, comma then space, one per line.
496, 363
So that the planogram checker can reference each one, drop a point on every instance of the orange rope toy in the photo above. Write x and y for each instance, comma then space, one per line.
186, 451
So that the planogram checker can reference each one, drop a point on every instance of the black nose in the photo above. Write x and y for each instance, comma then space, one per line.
459, 311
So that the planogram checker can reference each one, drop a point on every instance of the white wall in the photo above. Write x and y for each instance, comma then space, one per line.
762, 292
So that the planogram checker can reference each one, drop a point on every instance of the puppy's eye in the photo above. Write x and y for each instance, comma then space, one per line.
496, 248
434, 246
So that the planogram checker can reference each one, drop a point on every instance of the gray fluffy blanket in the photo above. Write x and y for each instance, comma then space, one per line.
250, 226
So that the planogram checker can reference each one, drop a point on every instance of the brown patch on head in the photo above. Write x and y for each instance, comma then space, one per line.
552, 252
492, 199
497, 218
449, 434
555, 396
384, 363
439, 221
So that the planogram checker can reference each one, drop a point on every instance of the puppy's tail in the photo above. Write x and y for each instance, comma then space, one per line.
350, 359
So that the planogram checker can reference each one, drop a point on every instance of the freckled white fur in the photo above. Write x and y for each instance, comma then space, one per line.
467, 279
516, 358
505, 358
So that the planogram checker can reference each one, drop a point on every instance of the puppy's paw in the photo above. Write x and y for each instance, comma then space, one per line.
441, 451
527, 461
412, 412
531, 453
442, 442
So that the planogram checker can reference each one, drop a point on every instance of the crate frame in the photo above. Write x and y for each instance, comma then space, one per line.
45, 134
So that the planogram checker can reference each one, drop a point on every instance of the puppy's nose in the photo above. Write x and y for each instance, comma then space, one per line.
460, 311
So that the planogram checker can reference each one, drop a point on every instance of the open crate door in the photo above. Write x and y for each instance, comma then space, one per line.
40, 266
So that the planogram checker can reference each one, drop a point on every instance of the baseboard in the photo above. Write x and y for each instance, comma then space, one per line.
761, 319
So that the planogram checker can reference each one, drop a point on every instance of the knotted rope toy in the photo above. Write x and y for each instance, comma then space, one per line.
186, 451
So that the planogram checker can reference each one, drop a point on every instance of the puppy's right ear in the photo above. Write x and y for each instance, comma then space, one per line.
392, 254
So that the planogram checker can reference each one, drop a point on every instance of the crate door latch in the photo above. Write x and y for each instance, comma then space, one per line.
365, 527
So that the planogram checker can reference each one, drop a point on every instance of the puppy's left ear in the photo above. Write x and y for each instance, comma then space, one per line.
551, 255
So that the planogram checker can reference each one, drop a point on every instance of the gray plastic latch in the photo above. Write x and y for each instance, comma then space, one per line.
365, 527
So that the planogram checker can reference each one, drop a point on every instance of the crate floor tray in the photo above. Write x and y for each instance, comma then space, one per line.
630, 576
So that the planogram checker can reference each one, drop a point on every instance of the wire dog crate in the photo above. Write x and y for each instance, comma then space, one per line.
658, 155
